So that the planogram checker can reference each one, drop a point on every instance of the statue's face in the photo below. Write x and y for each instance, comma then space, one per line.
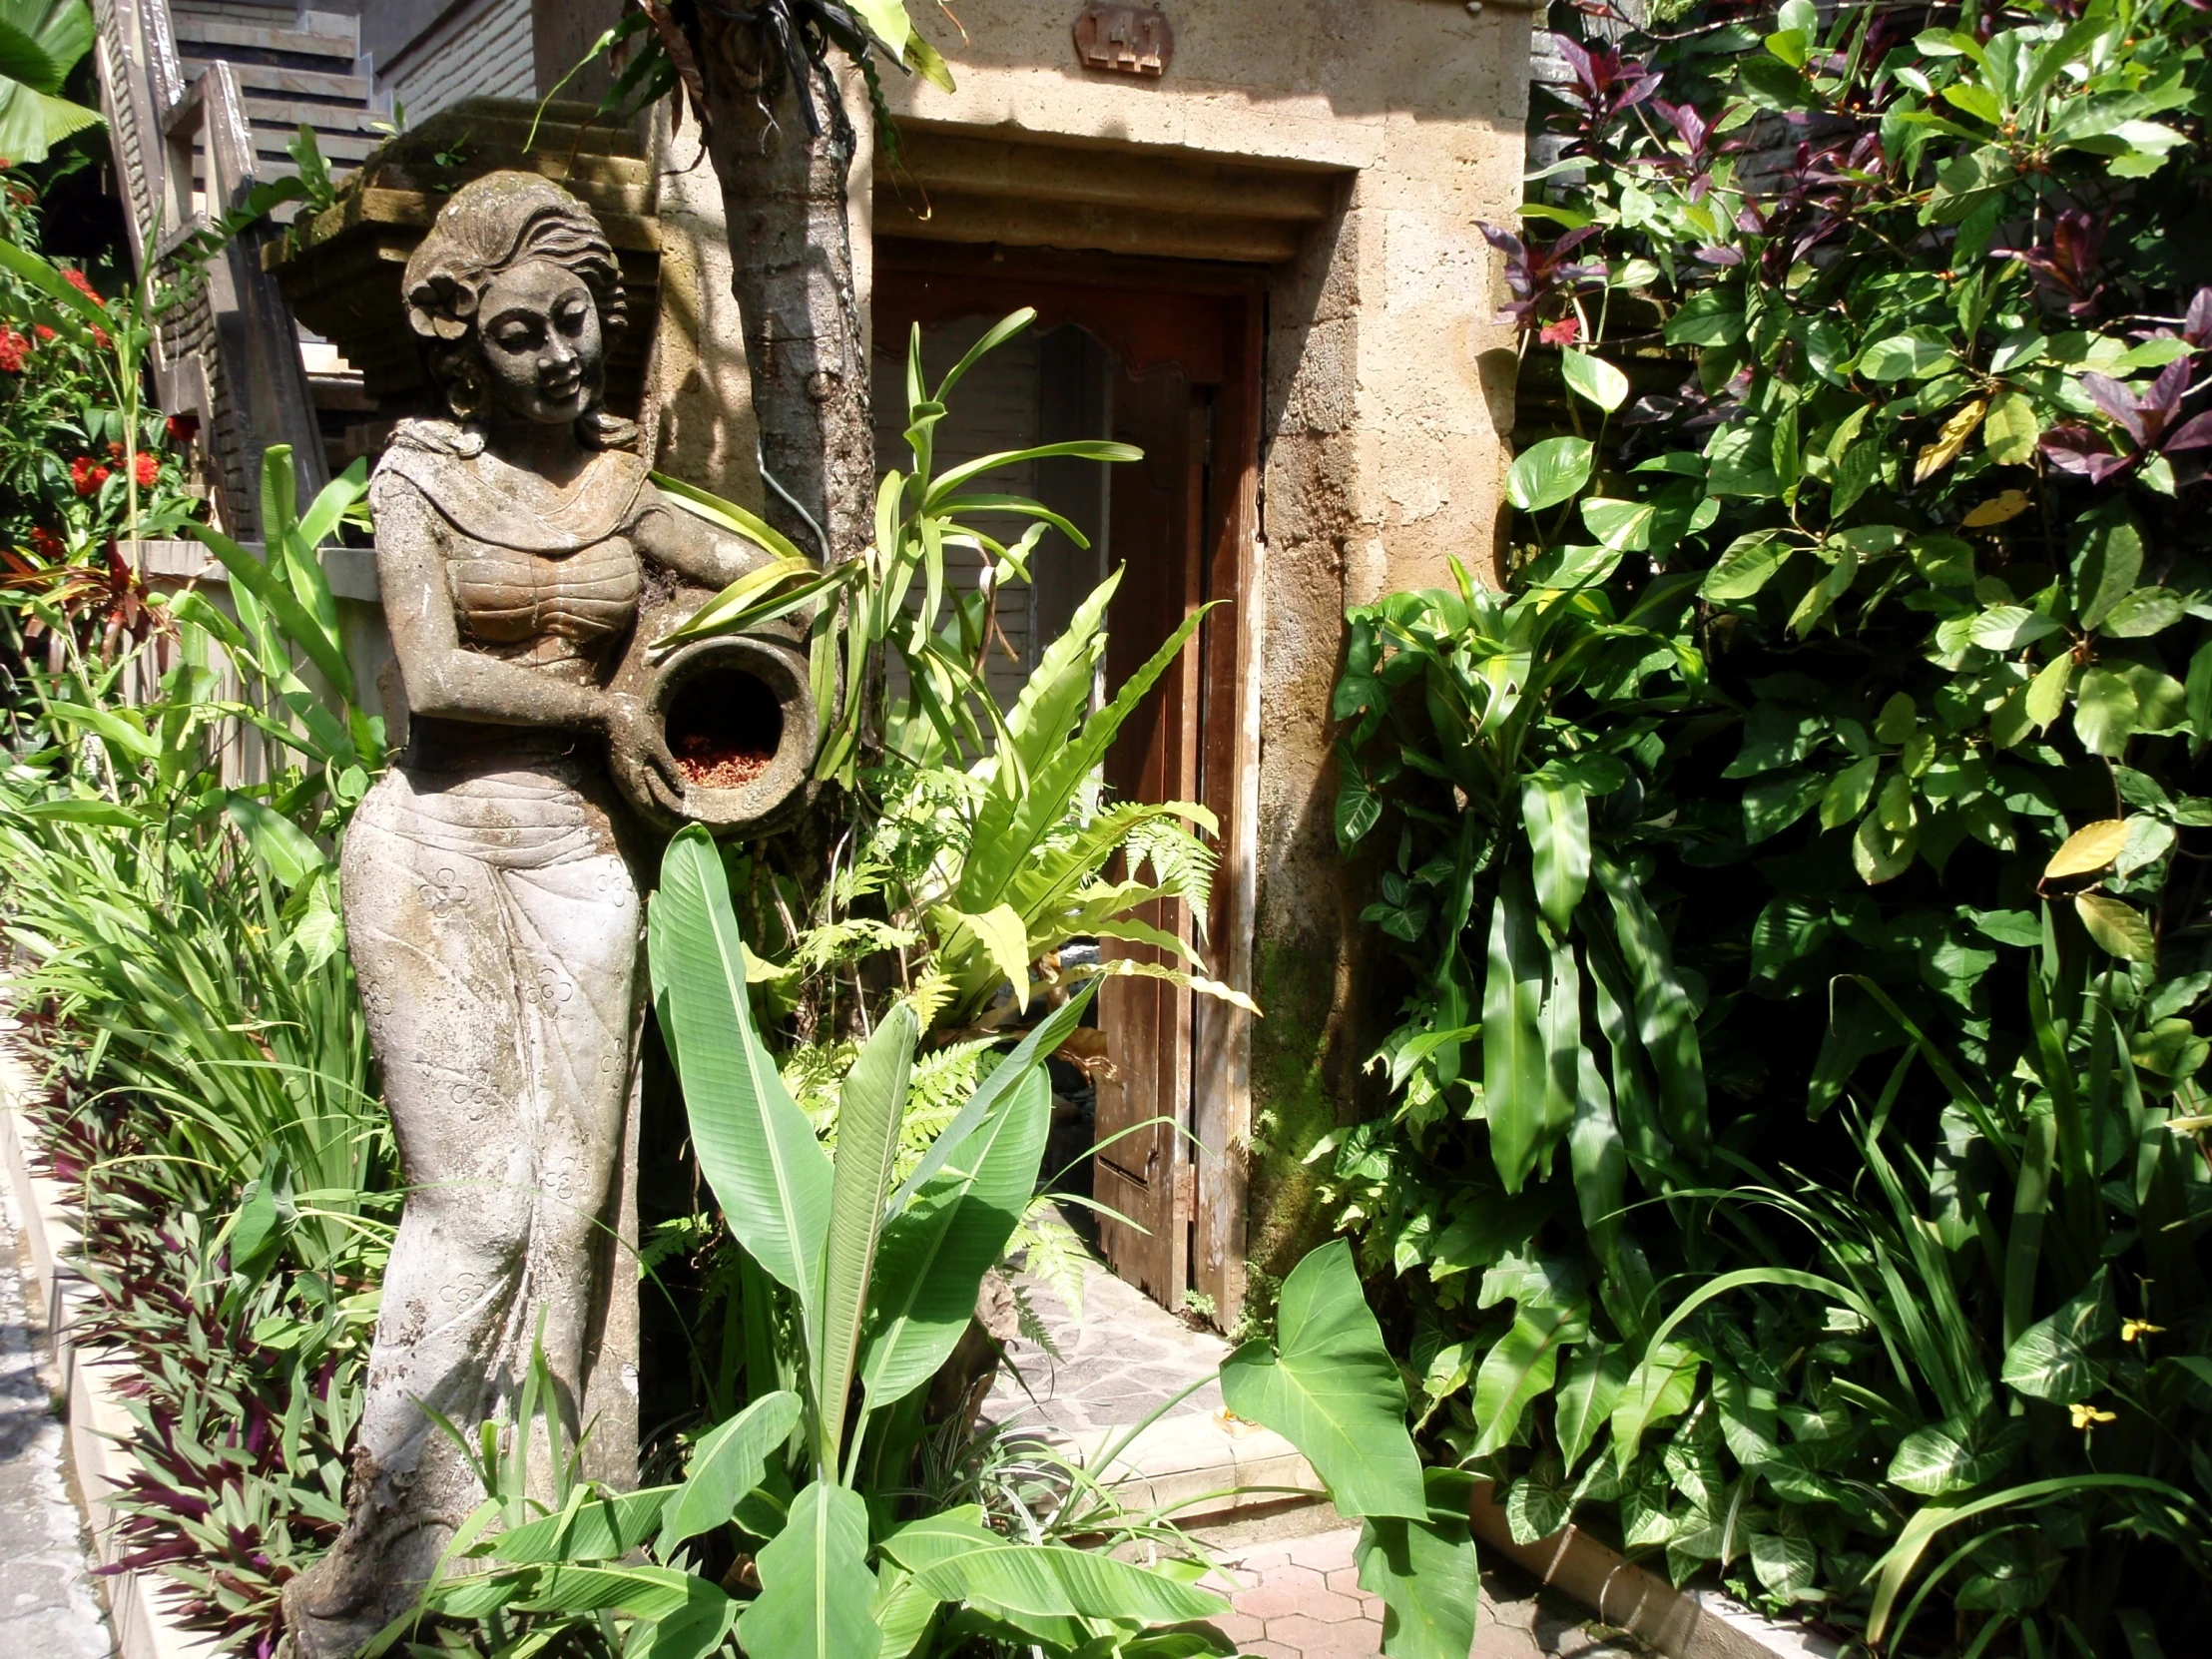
540, 332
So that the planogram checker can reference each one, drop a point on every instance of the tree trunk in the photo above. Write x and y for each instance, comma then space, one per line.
791, 249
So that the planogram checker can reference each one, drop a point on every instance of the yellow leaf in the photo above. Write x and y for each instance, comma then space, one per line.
2088, 849
2013, 429
1998, 509
1952, 439
2119, 929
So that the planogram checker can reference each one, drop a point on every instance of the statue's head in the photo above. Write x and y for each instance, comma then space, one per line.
515, 291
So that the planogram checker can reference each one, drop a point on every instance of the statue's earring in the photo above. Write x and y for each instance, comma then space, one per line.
468, 391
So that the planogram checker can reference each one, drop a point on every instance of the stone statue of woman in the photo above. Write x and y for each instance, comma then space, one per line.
491, 891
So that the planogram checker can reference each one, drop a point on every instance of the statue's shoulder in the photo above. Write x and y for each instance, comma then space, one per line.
429, 455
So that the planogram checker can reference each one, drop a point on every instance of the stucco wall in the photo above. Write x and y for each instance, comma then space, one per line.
1389, 391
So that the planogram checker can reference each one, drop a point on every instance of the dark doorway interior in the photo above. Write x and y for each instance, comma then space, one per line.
1162, 354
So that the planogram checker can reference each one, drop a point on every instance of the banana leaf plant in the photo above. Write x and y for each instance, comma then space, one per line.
877, 1286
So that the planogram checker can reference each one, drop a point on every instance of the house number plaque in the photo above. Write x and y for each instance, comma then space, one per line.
1124, 40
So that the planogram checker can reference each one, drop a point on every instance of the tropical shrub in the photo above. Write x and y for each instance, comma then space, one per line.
211, 1098
872, 1283
1880, 338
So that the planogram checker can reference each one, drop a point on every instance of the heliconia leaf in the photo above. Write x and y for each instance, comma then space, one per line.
755, 1146
730, 1461
2088, 850
937, 1250
872, 1104
1331, 1387
954, 1557
600, 1527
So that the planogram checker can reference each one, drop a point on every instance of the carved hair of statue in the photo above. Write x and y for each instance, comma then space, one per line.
492, 224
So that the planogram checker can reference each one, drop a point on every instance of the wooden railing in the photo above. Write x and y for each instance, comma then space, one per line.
230, 353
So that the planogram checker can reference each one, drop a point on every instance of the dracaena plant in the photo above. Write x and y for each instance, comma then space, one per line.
872, 1282
1894, 349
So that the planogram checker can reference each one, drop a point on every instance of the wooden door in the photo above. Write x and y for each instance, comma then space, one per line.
1185, 338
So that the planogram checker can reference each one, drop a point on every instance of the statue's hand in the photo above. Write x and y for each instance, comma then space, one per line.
630, 728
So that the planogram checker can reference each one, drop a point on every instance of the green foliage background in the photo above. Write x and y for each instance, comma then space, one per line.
1797, 1164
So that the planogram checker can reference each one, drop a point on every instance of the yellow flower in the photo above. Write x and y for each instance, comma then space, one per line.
2089, 1416
2131, 1329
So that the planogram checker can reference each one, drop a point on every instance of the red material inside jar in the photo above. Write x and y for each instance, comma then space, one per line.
724, 727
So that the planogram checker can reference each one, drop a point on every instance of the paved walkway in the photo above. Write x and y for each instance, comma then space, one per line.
1122, 1359
48, 1606
1300, 1599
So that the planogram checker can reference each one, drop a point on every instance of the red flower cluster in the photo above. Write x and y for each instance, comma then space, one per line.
183, 428
43, 333
99, 337
45, 543
13, 349
145, 465
87, 474
83, 284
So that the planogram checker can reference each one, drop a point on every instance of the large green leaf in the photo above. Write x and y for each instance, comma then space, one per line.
1596, 1378
1425, 1574
1332, 1390
816, 1596
1515, 1061
954, 1557
1950, 1456
594, 1527
33, 121
1558, 816
870, 1106
1031, 1052
730, 1463
754, 1145
1666, 1020
2054, 1357
1520, 1367
936, 1252
1547, 473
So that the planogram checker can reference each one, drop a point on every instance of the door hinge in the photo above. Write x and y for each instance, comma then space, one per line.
1186, 1193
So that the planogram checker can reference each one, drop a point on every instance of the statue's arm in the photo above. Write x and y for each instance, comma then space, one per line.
445, 679
691, 547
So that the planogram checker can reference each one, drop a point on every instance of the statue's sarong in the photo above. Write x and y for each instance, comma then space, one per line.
494, 927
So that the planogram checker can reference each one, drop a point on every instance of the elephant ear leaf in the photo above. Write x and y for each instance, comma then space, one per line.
1332, 1390
817, 1592
1424, 1572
